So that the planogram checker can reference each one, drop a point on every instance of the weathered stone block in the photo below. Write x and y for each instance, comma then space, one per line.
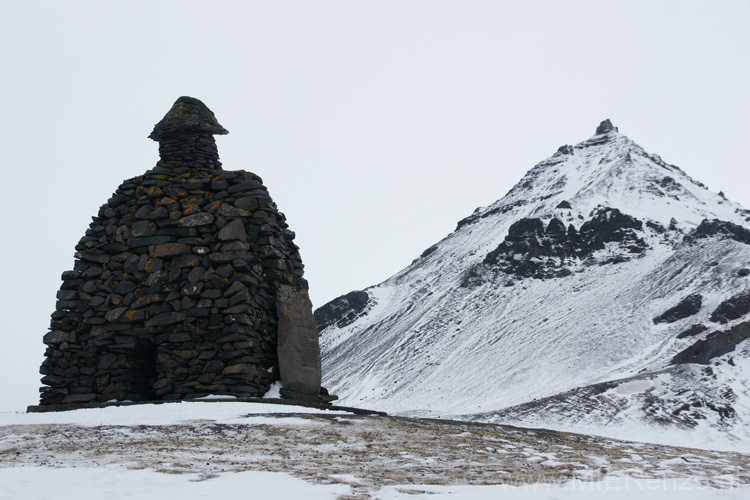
199, 219
168, 249
56, 337
298, 345
234, 230
167, 318
242, 370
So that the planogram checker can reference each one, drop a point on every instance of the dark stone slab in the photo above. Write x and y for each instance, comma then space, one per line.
245, 186
56, 337
231, 211
235, 230
147, 240
298, 343
199, 219
168, 249
143, 228
167, 318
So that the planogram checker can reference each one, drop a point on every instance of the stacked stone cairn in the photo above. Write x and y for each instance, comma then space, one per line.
173, 291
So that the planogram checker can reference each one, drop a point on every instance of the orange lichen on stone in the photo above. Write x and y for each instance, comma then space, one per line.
189, 262
130, 314
190, 208
146, 300
149, 266
214, 206
166, 201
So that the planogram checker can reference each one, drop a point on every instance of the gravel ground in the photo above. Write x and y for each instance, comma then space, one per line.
365, 452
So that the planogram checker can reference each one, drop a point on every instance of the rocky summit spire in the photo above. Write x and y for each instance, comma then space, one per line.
605, 127
185, 137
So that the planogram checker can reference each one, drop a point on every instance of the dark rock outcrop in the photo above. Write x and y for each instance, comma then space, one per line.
733, 308
692, 331
342, 311
173, 290
714, 345
605, 127
687, 307
719, 228
532, 250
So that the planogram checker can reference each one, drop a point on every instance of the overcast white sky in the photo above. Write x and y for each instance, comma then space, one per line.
375, 125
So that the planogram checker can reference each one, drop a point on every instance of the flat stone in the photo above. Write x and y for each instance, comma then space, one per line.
79, 398
167, 318
147, 240
242, 369
143, 228
167, 249
115, 314
227, 210
95, 257
196, 274
234, 245
199, 219
131, 264
185, 260
245, 186
199, 312
67, 295
246, 203
235, 230
221, 257
159, 213
234, 288
56, 337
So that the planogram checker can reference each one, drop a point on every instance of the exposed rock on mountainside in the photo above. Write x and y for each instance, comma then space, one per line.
343, 310
531, 250
603, 263
732, 308
713, 345
687, 307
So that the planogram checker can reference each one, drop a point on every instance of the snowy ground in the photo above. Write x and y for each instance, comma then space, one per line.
207, 450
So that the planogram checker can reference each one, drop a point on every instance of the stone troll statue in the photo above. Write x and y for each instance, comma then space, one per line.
187, 283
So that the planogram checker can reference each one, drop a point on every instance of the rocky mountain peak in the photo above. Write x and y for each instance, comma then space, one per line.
605, 127
603, 263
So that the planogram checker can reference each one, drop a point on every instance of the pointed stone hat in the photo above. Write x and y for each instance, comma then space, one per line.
187, 115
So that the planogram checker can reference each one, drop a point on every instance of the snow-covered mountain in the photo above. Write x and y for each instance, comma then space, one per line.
607, 290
